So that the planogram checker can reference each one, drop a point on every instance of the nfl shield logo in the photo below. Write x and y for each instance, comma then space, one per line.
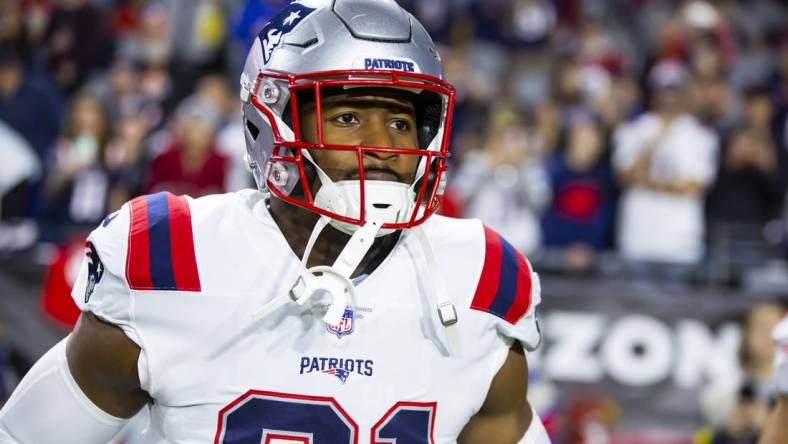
345, 326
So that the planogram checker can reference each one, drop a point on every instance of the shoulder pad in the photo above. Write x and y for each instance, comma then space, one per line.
780, 335
780, 332
161, 244
505, 285
508, 289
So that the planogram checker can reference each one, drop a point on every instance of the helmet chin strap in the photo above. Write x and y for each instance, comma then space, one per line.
385, 201
328, 282
444, 319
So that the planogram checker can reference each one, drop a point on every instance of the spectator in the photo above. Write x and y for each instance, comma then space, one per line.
665, 161
505, 182
28, 103
198, 35
759, 111
20, 165
622, 102
31, 106
580, 218
489, 19
548, 126
230, 137
124, 160
77, 42
532, 21
152, 43
119, 89
780, 76
436, 16
713, 103
707, 59
124, 19
763, 116
191, 164
568, 87
747, 191
12, 26
77, 186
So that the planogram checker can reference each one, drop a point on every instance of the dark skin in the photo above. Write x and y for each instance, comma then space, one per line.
776, 428
103, 360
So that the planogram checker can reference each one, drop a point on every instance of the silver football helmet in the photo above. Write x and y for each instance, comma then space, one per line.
315, 46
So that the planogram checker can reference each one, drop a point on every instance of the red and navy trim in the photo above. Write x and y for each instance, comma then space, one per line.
161, 246
504, 287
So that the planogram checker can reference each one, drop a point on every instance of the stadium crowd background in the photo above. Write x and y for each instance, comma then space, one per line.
637, 138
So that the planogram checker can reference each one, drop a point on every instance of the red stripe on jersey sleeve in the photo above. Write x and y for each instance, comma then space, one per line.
522, 298
184, 261
491, 271
138, 256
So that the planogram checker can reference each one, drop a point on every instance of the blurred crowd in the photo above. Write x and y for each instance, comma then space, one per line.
655, 130
642, 137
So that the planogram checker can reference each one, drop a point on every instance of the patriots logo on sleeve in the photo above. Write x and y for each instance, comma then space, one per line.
282, 24
95, 269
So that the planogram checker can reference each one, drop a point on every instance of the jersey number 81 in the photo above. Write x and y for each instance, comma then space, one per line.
261, 417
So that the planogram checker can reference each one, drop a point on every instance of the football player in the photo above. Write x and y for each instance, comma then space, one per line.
776, 429
327, 306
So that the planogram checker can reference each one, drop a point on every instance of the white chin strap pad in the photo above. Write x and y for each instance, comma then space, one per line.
385, 201
48, 407
321, 282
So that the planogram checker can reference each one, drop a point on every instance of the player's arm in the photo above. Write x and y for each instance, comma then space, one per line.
776, 429
82, 391
103, 362
505, 414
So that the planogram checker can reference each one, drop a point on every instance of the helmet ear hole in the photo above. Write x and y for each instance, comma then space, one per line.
253, 129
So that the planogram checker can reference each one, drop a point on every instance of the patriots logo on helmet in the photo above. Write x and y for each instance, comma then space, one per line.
340, 373
95, 269
282, 24
345, 326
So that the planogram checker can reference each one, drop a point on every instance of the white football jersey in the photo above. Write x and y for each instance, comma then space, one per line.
780, 336
183, 277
